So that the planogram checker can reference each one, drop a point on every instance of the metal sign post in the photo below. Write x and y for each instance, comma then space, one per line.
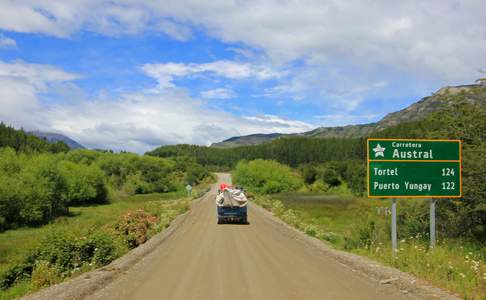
394, 227
414, 168
432, 223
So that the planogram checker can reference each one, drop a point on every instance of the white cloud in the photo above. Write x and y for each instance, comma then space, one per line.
20, 85
280, 125
6, 42
140, 122
218, 93
137, 121
368, 37
341, 119
407, 35
37, 75
165, 73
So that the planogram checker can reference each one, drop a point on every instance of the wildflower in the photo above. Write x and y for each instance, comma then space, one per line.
403, 241
462, 275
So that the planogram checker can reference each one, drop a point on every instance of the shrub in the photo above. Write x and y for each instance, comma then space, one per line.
330, 177
135, 227
309, 174
278, 208
60, 249
97, 249
43, 275
85, 184
58, 255
365, 233
319, 186
266, 177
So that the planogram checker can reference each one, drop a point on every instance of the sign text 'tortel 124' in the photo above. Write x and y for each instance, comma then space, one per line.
408, 168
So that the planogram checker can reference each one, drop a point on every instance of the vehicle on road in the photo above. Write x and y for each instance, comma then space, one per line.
231, 205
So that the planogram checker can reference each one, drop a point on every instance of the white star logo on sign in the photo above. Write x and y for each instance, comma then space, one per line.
379, 151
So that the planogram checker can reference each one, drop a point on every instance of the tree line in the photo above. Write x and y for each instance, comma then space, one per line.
292, 151
39, 183
24, 142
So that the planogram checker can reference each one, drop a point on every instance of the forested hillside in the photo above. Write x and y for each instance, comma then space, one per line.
292, 151
22, 141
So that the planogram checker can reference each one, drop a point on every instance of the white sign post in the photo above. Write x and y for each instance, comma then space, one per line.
189, 189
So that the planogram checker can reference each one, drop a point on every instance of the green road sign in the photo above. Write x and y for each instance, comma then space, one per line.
414, 168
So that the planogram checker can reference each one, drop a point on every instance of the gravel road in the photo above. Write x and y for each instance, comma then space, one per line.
262, 260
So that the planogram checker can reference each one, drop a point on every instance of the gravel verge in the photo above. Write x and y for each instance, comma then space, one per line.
408, 284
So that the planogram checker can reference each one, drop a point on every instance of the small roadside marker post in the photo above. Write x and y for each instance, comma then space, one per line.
432, 223
394, 227
189, 189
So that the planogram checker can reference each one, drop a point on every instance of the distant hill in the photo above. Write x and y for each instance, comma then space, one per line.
247, 140
473, 93
22, 141
56, 137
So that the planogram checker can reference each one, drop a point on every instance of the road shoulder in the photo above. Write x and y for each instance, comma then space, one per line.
406, 283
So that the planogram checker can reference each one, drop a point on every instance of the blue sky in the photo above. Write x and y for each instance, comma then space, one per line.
129, 75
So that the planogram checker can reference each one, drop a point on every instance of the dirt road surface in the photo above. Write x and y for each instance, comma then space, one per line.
203, 260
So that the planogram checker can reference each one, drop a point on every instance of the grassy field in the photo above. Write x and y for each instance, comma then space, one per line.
14, 244
362, 226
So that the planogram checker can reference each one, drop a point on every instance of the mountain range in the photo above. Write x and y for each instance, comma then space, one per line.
473, 93
56, 137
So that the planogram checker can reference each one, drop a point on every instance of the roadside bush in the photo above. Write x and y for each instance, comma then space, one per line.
366, 233
135, 185
97, 249
83, 156
84, 184
59, 255
266, 177
43, 275
413, 218
319, 186
330, 177
309, 173
31, 189
36, 188
135, 227
355, 176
